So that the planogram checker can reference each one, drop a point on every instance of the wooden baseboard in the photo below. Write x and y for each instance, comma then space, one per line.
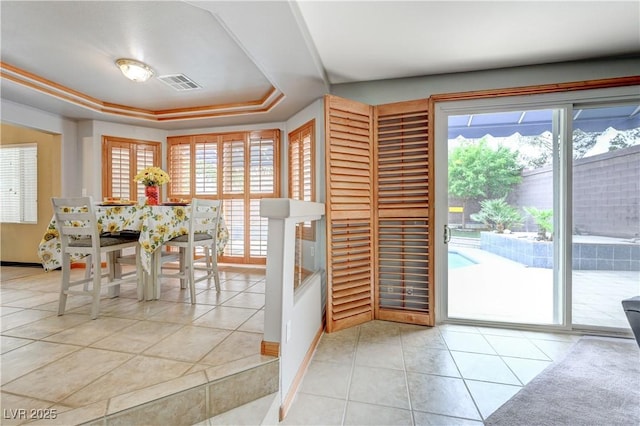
270, 348
288, 400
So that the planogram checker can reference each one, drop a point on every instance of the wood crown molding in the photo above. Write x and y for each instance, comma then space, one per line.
34, 82
538, 89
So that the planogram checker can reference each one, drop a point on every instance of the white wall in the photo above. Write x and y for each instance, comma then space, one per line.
90, 134
396, 90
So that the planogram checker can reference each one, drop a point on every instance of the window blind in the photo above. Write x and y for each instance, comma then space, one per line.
19, 183
180, 167
122, 159
302, 171
240, 169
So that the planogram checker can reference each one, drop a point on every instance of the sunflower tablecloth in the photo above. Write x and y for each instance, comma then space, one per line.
156, 224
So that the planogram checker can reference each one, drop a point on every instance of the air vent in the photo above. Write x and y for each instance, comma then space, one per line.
179, 82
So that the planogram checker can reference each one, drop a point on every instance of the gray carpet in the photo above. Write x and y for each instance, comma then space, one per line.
597, 383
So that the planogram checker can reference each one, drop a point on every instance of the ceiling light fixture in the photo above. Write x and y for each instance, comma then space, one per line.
135, 70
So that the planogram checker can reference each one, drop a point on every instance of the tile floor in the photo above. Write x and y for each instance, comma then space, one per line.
376, 373
70, 362
383, 373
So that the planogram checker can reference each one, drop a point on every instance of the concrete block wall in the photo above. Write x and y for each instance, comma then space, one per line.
606, 195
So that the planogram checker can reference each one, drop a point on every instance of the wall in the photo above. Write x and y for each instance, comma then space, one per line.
90, 135
70, 162
395, 90
20, 240
606, 193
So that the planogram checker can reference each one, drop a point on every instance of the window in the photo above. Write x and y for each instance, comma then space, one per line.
238, 168
123, 159
302, 170
19, 183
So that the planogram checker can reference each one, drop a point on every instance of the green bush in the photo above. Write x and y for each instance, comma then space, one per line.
497, 215
544, 221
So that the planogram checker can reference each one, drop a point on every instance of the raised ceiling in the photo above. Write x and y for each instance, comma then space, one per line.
263, 61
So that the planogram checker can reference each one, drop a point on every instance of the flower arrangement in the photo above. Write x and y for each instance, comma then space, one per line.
152, 176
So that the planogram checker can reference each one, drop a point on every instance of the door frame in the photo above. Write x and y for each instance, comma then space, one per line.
457, 104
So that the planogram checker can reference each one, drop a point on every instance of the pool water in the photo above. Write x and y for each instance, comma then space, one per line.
456, 260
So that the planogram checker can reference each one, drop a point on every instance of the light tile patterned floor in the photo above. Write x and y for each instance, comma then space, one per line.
383, 373
69, 362
376, 373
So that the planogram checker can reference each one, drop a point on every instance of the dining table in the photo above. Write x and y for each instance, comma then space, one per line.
156, 224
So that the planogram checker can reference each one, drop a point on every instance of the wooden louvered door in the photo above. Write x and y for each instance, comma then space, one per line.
349, 213
403, 185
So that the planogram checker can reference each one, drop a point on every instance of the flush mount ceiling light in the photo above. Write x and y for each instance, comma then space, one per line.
135, 70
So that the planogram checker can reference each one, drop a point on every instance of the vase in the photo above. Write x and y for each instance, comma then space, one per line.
152, 194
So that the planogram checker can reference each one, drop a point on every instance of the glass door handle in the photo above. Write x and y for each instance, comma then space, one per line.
447, 234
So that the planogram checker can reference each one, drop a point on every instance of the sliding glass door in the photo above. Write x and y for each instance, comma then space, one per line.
540, 212
606, 214
501, 245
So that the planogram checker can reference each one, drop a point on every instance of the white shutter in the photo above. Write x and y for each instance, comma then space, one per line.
19, 183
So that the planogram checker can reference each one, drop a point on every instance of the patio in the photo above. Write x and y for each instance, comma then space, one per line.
526, 292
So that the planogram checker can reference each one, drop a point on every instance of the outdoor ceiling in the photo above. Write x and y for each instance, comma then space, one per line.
264, 61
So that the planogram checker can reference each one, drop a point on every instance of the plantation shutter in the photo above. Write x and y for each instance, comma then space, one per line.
205, 166
123, 159
179, 153
404, 288
233, 187
121, 179
349, 213
262, 184
302, 171
144, 157
238, 168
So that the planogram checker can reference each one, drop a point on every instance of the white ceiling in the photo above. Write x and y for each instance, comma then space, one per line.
263, 61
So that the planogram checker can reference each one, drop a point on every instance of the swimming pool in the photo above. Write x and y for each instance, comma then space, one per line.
456, 260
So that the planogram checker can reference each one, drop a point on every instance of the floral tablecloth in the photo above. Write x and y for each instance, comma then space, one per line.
156, 224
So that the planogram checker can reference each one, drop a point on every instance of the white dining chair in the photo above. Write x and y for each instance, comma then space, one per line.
77, 226
203, 231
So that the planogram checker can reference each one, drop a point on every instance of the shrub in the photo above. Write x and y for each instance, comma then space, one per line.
544, 221
497, 215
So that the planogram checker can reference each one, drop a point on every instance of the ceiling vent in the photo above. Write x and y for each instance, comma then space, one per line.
179, 82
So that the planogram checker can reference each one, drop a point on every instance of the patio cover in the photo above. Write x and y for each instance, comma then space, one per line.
535, 122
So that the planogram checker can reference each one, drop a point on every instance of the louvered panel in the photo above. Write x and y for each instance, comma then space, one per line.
404, 288
402, 159
180, 167
233, 167
294, 170
144, 158
350, 255
261, 164
257, 231
206, 168
121, 180
403, 264
233, 211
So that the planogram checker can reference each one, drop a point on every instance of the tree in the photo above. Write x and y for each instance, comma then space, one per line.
479, 171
